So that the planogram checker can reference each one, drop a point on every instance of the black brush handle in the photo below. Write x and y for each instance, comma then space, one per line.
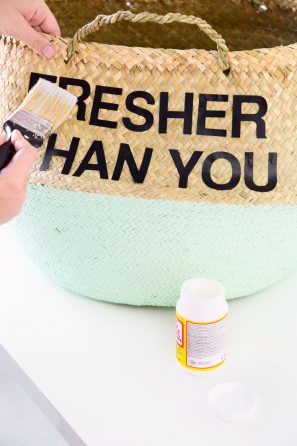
7, 152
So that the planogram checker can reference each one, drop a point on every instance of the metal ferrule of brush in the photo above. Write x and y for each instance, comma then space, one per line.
32, 127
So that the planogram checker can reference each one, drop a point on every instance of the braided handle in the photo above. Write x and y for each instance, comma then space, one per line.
104, 20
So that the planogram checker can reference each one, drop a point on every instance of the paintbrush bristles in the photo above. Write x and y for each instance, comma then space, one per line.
49, 102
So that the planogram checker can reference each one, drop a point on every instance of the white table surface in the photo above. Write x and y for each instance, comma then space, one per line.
110, 370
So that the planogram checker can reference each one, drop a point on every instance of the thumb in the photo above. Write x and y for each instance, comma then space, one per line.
34, 39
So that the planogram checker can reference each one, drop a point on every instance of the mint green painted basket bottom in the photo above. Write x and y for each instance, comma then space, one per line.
139, 252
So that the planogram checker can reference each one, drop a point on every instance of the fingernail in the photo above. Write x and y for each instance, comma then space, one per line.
48, 51
18, 144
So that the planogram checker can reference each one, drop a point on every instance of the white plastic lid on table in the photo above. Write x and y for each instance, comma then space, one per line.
232, 401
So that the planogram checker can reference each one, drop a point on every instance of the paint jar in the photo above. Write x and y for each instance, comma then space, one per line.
201, 325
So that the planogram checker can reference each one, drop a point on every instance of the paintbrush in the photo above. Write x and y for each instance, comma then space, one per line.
44, 109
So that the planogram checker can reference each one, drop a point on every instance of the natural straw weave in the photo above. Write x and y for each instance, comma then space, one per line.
270, 73
96, 228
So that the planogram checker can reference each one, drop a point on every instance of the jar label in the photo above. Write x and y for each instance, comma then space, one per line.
201, 345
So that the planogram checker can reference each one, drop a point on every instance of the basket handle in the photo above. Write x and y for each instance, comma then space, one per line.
104, 20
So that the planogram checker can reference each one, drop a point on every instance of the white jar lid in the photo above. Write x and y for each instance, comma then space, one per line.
232, 401
202, 300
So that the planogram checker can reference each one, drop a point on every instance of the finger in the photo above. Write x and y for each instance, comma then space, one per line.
37, 28
39, 43
50, 24
17, 136
20, 143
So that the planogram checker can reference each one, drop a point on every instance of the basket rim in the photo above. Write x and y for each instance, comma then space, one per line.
66, 40
110, 55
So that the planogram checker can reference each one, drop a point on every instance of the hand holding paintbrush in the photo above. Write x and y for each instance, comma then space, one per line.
14, 178
44, 109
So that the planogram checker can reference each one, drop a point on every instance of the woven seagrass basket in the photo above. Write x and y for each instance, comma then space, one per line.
176, 163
